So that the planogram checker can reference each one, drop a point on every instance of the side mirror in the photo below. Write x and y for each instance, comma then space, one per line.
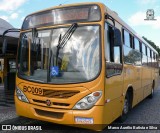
4, 47
117, 46
117, 37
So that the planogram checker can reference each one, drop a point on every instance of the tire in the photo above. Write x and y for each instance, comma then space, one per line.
152, 93
126, 108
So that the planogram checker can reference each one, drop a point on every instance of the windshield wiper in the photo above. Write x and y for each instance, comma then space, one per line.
61, 43
38, 51
64, 39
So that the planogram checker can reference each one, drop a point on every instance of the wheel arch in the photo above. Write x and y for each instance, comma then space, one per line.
130, 92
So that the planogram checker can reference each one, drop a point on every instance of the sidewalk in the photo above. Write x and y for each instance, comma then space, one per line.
6, 97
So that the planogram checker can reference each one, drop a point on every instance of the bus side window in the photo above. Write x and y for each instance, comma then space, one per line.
136, 44
112, 53
128, 48
127, 39
144, 55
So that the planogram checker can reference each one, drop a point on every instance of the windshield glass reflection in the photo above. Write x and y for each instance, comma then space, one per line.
77, 61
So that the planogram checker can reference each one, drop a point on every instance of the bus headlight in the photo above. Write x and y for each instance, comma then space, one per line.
88, 101
20, 95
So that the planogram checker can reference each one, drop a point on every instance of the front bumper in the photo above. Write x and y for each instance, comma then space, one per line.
61, 116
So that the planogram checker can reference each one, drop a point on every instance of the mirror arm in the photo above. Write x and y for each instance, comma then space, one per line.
3, 36
10, 30
107, 16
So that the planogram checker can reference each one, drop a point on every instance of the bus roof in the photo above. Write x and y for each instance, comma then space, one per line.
68, 5
109, 11
126, 26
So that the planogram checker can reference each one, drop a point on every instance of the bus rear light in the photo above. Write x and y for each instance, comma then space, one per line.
88, 101
21, 96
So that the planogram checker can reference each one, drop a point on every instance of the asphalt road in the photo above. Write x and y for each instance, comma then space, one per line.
146, 112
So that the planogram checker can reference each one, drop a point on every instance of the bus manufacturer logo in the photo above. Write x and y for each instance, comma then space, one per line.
48, 102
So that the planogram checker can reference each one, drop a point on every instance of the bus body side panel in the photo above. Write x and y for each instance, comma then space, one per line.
156, 77
137, 89
129, 81
114, 98
146, 80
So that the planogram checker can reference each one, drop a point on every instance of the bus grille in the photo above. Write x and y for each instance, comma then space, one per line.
53, 103
49, 114
59, 93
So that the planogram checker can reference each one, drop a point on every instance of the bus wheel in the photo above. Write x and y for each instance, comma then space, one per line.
125, 111
152, 93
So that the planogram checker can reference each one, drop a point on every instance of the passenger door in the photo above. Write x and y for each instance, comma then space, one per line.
114, 76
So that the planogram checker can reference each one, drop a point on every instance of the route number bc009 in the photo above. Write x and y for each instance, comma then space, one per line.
33, 90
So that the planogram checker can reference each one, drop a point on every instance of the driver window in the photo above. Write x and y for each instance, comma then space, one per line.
112, 53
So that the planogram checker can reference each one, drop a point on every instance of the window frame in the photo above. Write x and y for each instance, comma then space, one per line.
124, 37
116, 67
112, 45
139, 44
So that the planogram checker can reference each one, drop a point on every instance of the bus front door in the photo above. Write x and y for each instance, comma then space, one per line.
9, 77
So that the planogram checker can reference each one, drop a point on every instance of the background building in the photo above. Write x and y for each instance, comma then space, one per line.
8, 60
12, 38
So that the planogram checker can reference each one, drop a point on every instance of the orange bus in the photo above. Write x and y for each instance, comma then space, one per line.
81, 65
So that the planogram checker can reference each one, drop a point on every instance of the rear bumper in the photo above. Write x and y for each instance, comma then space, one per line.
61, 116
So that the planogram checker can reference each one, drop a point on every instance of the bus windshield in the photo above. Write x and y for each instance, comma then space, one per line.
77, 61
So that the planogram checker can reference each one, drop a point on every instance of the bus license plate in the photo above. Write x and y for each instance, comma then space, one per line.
80, 120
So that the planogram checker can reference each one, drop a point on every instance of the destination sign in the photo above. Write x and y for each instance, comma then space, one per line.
62, 16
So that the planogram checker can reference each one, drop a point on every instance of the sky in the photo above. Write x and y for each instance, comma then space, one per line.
133, 12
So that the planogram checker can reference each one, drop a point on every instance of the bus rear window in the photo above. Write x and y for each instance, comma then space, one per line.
63, 15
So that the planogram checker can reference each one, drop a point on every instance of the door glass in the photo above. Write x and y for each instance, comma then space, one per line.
117, 54
12, 65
